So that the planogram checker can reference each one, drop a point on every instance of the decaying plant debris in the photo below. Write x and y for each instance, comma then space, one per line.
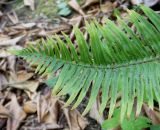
25, 101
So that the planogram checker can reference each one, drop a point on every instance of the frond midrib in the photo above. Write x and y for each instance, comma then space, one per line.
113, 66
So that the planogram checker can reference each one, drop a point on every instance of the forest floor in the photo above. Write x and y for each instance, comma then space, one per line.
25, 100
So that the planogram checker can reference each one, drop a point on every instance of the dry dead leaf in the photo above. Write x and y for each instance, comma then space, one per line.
43, 33
4, 37
12, 42
75, 22
3, 81
13, 17
11, 63
17, 114
146, 2
74, 119
22, 76
29, 3
24, 26
53, 111
30, 86
48, 108
73, 4
94, 112
3, 65
107, 7
89, 2
47, 111
11, 31
21, 81
43, 127
4, 113
30, 107
42, 108
152, 114
4, 53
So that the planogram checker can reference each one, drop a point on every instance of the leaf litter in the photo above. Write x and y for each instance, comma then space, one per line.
23, 103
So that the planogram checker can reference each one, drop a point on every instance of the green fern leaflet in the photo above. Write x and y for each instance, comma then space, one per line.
115, 60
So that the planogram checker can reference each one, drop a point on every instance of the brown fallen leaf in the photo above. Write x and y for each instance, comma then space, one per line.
30, 86
8, 61
4, 53
43, 127
3, 65
24, 26
94, 112
74, 119
106, 7
75, 22
152, 114
42, 108
11, 60
29, 3
89, 2
13, 17
47, 111
17, 114
30, 107
48, 108
11, 42
73, 4
21, 81
4, 113
53, 112
21, 76
14, 32
3, 80
4, 37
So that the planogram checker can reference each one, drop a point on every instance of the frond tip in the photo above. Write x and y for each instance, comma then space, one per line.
115, 60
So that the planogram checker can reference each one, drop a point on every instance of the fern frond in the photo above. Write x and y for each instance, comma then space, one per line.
115, 60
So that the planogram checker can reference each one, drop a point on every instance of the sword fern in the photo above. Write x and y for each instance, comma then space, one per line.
114, 60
